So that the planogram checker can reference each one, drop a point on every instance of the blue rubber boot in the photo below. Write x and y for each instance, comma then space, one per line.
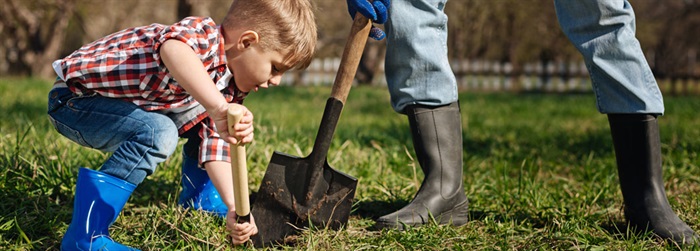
197, 190
98, 200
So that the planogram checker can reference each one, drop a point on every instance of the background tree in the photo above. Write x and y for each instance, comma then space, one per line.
33, 33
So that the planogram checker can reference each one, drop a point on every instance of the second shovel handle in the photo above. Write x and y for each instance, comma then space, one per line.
239, 168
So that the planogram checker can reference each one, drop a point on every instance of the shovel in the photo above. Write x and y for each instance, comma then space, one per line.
296, 192
239, 169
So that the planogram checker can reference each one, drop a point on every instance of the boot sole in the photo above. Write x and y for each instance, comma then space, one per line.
457, 216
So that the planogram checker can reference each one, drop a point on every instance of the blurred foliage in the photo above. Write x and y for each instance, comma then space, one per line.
35, 32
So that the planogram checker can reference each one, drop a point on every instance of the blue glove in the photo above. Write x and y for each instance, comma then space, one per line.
375, 10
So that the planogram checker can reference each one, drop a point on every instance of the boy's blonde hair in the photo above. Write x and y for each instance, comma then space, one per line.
288, 26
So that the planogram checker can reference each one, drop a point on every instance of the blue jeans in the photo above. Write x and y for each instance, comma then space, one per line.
416, 64
138, 139
604, 32
418, 72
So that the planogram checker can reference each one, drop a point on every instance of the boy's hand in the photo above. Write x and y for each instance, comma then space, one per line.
240, 232
243, 130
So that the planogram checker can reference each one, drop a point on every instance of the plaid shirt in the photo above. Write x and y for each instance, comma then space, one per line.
126, 65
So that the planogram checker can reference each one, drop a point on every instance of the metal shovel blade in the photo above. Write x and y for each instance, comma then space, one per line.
296, 193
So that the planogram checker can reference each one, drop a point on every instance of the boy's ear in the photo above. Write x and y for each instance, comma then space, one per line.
247, 39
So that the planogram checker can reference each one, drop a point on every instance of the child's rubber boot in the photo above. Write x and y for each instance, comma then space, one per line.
197, 190
99, 198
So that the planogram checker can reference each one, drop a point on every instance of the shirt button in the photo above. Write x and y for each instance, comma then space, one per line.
70, 104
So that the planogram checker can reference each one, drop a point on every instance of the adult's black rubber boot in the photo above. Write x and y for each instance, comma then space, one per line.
638, 152
437, 140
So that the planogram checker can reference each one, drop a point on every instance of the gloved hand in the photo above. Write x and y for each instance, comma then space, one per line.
375, 10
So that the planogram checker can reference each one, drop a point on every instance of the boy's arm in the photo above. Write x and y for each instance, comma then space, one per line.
188, 70
221, 176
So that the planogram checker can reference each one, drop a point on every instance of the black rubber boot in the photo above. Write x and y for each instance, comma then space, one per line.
637, 148
437, 139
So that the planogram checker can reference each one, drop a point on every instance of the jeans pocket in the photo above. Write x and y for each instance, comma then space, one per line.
68, 132
58, 98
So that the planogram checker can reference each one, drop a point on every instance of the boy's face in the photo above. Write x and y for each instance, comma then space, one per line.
252, 67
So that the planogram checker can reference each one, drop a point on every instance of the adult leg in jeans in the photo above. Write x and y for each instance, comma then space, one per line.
625, 88
423, 87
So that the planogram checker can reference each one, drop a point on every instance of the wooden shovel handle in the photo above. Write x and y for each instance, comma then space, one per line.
238, 167
351, 57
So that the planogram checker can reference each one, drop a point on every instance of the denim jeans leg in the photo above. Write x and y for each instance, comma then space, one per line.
416, 66
604, 32
138, 139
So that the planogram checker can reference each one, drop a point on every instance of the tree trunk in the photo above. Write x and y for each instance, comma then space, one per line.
34, 44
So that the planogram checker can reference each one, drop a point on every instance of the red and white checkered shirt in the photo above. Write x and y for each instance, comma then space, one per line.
127, 65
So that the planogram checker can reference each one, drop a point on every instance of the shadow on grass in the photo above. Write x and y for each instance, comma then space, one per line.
151, 192
374, 209
621, 230
32, 213
36, 220
618, 230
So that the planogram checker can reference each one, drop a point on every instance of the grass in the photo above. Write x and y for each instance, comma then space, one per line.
539, 173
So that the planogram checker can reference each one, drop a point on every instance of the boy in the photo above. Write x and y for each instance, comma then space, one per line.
135, 91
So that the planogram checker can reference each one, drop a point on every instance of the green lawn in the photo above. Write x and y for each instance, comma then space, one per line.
539, 173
